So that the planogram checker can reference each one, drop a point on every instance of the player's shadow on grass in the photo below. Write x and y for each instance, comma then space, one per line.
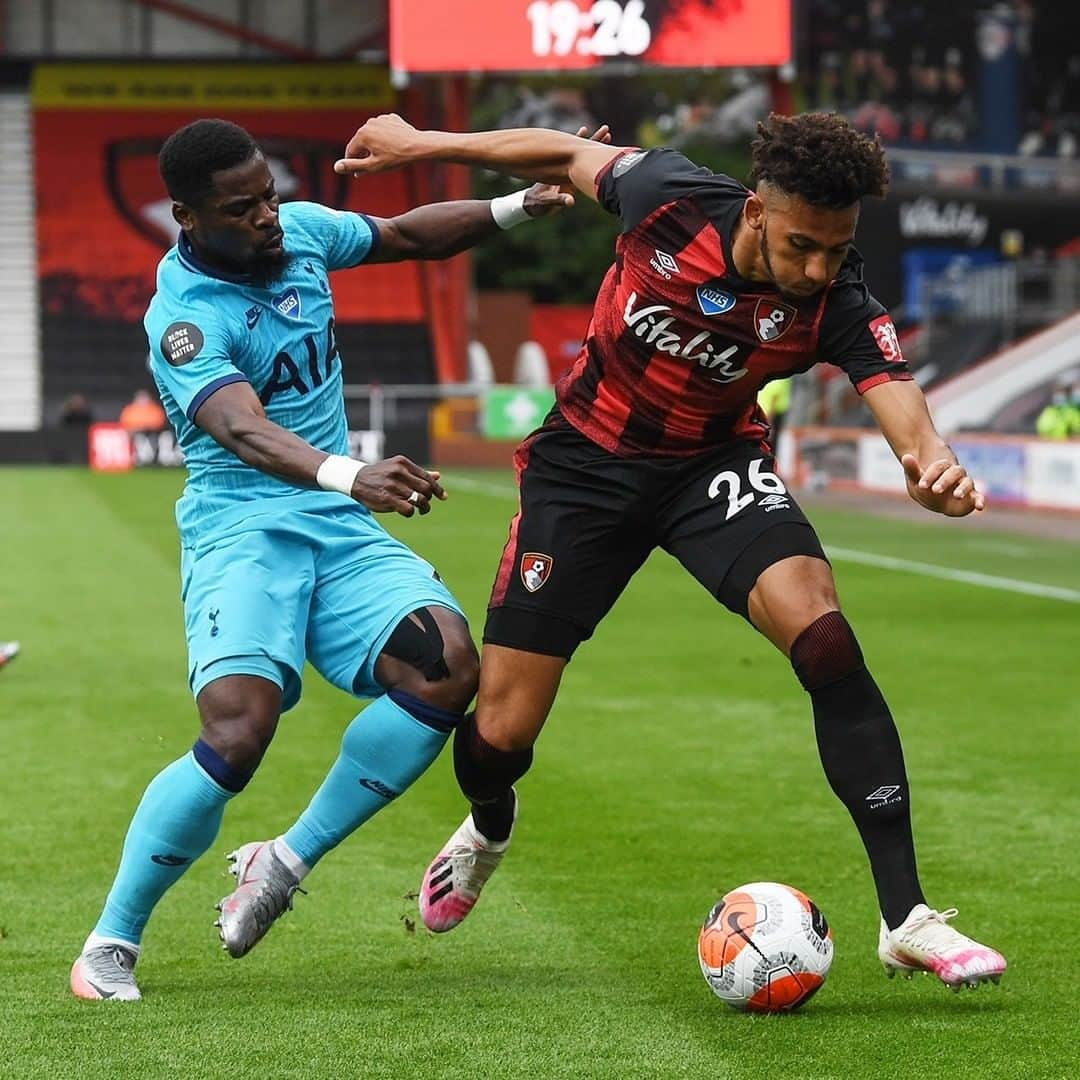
941, 1004
885, 1007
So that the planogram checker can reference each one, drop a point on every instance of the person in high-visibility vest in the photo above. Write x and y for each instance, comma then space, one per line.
775, 399
1060, 419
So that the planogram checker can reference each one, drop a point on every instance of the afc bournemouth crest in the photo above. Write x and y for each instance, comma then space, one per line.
303, 168
772, 319
535, 570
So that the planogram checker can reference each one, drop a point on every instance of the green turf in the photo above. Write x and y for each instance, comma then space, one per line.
679, 762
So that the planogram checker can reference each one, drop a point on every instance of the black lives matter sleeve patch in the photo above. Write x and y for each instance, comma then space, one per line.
181, 342
625, 163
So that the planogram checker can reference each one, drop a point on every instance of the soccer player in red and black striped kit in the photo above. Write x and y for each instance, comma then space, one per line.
656, 440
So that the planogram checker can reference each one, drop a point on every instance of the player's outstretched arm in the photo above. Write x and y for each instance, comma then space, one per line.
935, 479
549, 157
439, 230
234, 417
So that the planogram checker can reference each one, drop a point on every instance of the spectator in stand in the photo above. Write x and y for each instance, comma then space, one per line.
76, 411
900, 70
1061, 417
561, 107
142, 413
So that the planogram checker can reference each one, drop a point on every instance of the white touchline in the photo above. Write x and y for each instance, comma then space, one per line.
866, 558
948, 573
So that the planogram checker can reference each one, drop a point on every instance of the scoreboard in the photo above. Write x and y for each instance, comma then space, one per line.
557, 35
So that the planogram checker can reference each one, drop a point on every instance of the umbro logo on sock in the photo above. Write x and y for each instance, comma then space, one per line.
379, 788
884, 795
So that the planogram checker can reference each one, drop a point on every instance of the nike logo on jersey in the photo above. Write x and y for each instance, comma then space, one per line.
647, 324
252, 315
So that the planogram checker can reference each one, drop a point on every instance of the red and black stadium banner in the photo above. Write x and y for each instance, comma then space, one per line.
103, 218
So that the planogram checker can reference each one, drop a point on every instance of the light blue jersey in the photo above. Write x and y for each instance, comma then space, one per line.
208, 329
273, 573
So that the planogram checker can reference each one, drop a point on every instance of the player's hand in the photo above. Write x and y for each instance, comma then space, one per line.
542, 200
397, 484
381, 143
942, 486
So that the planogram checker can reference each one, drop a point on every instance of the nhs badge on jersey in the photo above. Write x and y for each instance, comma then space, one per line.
288, 303
714, 301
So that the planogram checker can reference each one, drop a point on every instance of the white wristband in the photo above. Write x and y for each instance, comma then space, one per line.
509, 210
337, 473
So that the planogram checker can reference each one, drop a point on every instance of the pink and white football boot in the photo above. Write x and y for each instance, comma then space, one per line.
924, 941
453, 881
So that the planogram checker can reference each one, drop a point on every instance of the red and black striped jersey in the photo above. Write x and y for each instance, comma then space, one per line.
679, 344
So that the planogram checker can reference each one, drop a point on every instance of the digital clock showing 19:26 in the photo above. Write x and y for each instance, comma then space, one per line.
556, 35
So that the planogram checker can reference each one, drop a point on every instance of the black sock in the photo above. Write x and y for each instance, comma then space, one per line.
861, 754
495, 819
485, 775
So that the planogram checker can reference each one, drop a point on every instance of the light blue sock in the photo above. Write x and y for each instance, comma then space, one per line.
176, 821
383, 751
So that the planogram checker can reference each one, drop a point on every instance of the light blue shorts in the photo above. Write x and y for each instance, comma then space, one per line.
282, 586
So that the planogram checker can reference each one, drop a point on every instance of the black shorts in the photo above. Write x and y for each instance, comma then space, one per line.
587, 520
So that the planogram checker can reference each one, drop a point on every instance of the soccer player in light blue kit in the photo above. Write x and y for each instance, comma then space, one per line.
281, 558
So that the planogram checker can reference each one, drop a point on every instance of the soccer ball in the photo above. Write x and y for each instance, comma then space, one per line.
765, 947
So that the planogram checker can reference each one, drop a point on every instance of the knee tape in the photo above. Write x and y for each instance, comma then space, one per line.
418, 642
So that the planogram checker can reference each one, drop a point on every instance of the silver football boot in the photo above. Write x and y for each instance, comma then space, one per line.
264, 891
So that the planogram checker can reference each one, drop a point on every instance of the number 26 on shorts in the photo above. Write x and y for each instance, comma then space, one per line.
731, 483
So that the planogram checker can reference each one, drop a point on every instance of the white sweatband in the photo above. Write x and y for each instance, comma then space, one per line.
337, 473
509, 210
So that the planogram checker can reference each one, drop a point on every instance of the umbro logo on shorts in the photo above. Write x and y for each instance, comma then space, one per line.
775, 502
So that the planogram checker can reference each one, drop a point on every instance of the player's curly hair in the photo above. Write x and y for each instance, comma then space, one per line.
192, 154
820, 158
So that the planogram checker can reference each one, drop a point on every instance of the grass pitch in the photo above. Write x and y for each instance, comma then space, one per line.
679, 762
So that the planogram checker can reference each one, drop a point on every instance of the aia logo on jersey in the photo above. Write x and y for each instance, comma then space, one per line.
535, 570
886, 339
773, 319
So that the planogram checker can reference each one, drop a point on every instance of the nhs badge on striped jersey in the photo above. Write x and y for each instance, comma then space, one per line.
714, 301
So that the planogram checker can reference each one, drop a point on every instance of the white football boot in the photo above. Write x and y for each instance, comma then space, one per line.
925, 941
452, 883
8, 651
105, 972
264, 891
